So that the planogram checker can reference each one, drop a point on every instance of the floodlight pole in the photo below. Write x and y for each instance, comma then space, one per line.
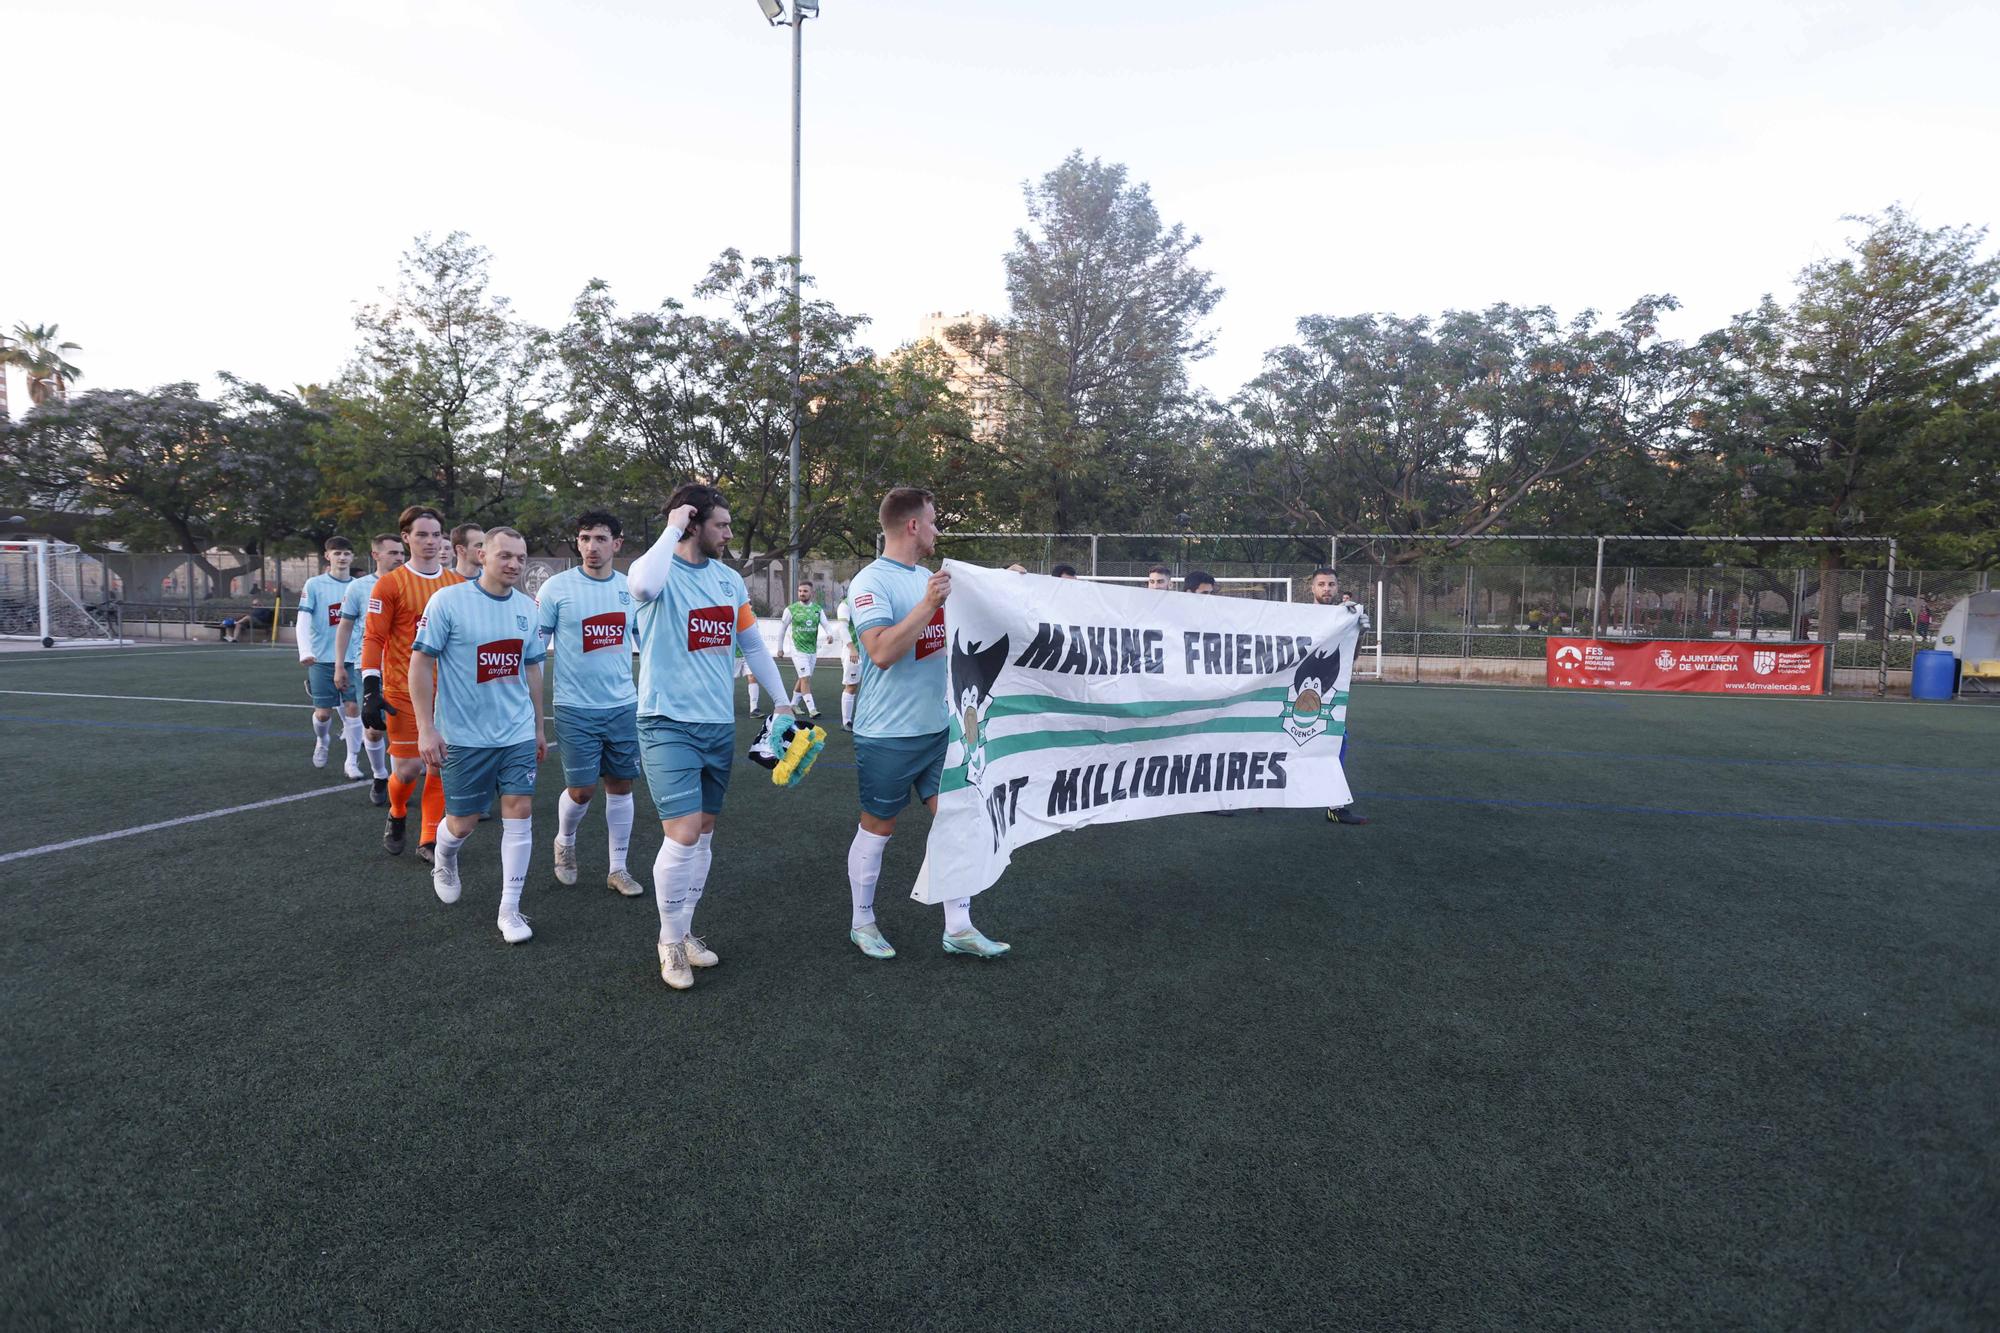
798, 314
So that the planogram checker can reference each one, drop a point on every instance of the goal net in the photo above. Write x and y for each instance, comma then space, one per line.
1277, 589
45, 597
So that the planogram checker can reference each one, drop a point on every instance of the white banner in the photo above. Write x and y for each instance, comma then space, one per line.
1077, 703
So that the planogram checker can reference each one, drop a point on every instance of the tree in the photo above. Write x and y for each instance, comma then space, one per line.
40, 353
1866, 406
661, 396
447, 400
1468, 425
1105, 314
171, 470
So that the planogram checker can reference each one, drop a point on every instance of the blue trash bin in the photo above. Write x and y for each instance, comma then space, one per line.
1934, 675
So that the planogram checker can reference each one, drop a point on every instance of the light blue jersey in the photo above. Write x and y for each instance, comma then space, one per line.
590, 622
687, 662
354, 607
483, 645
906, 699
319, 615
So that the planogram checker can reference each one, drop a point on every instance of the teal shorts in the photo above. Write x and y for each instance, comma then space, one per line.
687, 764
472, 771
892, 767
597, 742
319, 684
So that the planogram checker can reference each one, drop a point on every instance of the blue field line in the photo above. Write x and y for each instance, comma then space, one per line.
1673, 758
1597, 807
148, 726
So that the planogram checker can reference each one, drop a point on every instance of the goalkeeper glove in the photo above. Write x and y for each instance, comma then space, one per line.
373, 705
768, 749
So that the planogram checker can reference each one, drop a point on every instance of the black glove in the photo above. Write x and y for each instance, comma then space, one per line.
373, 706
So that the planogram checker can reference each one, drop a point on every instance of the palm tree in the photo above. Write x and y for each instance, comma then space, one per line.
38, 351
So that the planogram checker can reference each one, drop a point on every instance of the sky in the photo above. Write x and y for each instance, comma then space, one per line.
218, 184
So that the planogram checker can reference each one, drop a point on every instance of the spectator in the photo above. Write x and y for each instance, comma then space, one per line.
1064, 571
1198, 581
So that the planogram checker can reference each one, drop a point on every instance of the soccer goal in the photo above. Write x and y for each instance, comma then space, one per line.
1277, 589
42, 597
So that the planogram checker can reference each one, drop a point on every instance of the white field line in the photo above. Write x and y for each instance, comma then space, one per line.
174, 823
152, 699
47, 656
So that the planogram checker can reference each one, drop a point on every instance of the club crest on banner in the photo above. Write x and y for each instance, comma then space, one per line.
1763, 663
973, 671
1309, 702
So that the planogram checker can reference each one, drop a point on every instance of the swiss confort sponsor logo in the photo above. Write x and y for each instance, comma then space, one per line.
498, 660
333, 614
932, 639
710, 627
604, 631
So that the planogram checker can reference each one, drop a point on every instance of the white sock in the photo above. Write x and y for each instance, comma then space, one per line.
350, 732
864, 868
957, 915
753, 696
618, 819
323, 730
378, 757
670, 877
448, 844
517, 846
697, 879
569, 816
811, 707
847, 708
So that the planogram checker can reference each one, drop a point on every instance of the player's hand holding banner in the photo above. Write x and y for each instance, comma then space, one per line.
1076, 703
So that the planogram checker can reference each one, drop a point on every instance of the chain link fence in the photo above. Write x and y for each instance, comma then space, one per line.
1436, 621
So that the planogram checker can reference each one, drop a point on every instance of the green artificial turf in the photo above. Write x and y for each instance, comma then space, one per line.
1625, 1012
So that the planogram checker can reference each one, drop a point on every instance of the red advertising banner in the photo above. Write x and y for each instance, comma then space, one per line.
1703, 666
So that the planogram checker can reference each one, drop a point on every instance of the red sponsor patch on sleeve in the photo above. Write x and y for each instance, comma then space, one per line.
498, 660
863, 600
604, 631
711, 627
932, 639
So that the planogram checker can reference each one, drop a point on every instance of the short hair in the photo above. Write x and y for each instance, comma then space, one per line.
1063, 572
459, 533
1161, 569
408, 518
902, 504
705, 498
515, 533
1329, 571
381, 537
1194, 578
599, 518
340, 544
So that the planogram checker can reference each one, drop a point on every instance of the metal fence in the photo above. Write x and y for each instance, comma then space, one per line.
1460, 620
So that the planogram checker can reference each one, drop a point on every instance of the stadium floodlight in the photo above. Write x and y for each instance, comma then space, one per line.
774, 14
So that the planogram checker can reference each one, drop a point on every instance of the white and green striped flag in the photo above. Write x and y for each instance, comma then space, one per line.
1077, 703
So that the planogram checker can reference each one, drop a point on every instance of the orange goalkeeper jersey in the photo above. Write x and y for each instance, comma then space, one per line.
395, 604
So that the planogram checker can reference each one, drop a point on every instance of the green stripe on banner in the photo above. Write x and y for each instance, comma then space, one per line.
954, 778
1016, 705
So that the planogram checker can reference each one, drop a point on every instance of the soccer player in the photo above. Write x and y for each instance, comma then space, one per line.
850, 663
743, 669
586, 614
479, 658
395, 605
800, 624
1063, 572
1326, 592
387, 549
899, 724
1159, 578
317, 630
1198, 581
468, 548
693, 612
